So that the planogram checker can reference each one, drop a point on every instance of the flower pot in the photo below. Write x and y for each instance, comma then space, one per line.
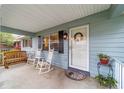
104, 61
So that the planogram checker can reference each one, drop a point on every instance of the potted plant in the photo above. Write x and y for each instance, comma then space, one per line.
104, 59
108, 81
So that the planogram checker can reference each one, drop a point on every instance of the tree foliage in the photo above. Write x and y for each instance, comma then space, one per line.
6, 38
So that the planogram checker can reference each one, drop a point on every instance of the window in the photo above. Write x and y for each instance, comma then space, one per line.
54, 41
51, 41
27, 43
46, 43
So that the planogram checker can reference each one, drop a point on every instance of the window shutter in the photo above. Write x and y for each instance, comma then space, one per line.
61, 42
39, 42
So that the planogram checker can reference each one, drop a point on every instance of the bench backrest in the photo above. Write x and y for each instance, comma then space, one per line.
14, 54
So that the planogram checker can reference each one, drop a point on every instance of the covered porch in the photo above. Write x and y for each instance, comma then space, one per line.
99, 27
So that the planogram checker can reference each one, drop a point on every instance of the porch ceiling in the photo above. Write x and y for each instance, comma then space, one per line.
34, 18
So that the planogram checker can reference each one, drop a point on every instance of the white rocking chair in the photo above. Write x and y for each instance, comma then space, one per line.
37, 57
45, 66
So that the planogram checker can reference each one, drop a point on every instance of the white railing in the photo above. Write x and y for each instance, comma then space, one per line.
119, 73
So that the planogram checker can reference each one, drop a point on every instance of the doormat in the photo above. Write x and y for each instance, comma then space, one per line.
76, 75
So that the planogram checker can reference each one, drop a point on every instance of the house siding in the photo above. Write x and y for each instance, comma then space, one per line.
106, 36
62, 60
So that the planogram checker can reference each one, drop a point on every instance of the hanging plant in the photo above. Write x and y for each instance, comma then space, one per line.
104, 59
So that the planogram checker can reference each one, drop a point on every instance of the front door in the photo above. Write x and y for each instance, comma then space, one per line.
79, 48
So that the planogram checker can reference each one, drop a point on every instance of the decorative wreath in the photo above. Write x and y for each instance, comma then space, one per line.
78, 33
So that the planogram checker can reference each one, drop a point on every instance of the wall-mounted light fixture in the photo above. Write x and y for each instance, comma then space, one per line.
65, 35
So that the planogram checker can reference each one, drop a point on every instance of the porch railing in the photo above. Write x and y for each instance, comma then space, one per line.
119, 73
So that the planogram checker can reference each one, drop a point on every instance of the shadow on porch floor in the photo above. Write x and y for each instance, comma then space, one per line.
25, 76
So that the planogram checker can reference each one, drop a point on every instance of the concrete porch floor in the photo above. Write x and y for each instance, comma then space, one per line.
25, 76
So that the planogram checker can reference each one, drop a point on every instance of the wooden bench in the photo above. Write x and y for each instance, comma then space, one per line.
13, 57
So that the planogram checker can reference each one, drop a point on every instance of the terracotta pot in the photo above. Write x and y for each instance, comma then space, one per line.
104, 61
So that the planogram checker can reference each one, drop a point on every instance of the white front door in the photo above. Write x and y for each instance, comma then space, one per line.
79, 48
